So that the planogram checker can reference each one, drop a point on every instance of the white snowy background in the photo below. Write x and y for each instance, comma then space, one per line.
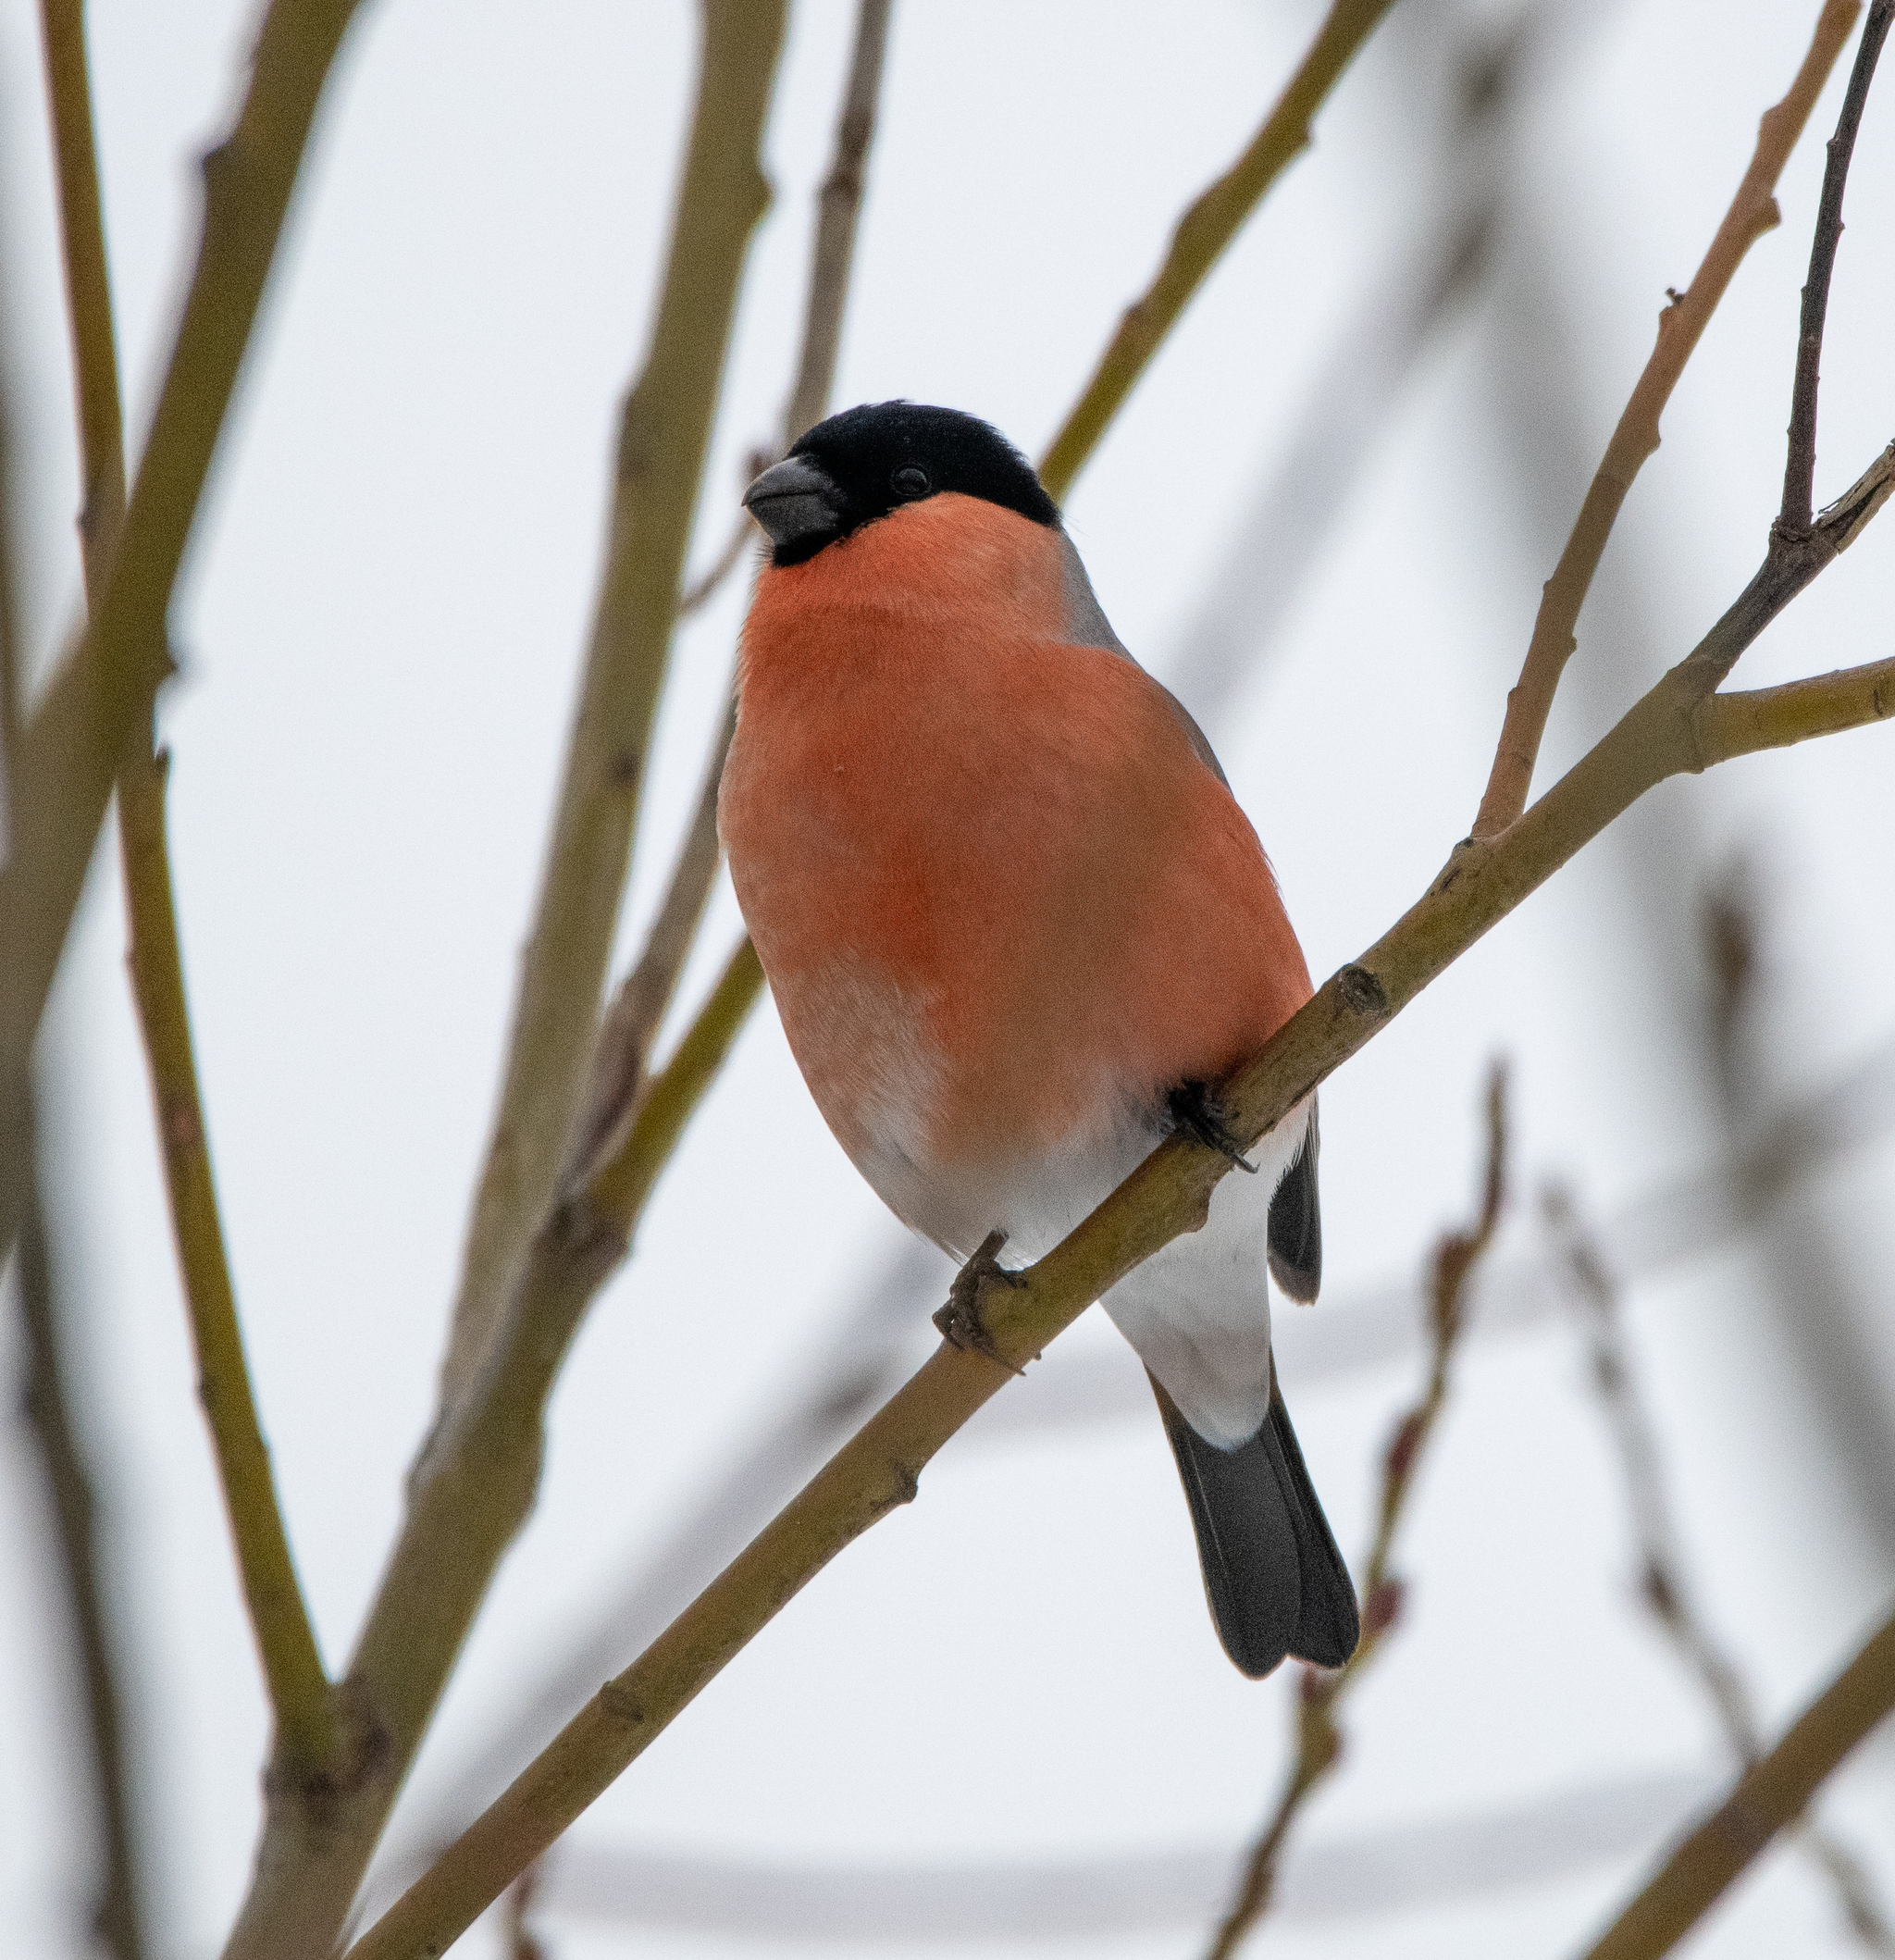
379, 624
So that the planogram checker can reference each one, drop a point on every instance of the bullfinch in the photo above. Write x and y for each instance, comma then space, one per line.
1016, 927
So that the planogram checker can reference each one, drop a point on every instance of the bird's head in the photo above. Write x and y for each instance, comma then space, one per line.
870, 461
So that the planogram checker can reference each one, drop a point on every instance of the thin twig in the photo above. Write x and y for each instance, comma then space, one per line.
298, 1691
1210, 225
114, 1916
1752, 212
115, 1919
1663, 1584
71, 747
617, 1074
312, 1734
1770, 1796
1799, 468
1168, 1194
1320, 1691
838, 207
516, 1937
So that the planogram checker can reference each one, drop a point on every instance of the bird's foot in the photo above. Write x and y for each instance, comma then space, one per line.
961, 1320
1195, 1111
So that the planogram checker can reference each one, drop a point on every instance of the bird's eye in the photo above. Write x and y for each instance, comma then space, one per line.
910, 482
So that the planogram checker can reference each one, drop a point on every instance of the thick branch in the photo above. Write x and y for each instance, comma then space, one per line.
1799, 468
1203, 232
1752, 212
1170, 1192
71, 745
1766, 1798
664, 432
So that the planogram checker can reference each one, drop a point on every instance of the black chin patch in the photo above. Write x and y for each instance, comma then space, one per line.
887, 453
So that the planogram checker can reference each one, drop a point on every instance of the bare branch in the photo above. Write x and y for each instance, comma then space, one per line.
1202, 234
1168, 1194
1318, 1740
71, 744
1800, 469
115, 1912
1663, 1584
311, 1732
46, 1402
1752, 212
838, 212
663, 435
461, 1514
298, 1691
1767, 1797
631, 1022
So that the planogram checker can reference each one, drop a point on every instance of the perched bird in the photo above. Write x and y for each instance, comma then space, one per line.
1016, 925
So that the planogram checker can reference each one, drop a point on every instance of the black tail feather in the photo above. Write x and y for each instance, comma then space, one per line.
1276, 1583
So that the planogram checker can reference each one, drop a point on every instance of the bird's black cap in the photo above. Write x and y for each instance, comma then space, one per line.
867, 462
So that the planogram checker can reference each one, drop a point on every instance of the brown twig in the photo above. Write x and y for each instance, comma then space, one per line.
1663, 1585
1770, 1796
71, 745
838, 207
298, 1691
46, 1403
115, 1916
1320, 1691
1752, 212
516, 1937
1799, 467
1210, 225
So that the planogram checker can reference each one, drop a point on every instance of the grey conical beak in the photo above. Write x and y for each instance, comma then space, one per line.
796, 502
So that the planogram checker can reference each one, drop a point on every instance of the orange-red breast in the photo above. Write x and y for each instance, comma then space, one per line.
1015, 924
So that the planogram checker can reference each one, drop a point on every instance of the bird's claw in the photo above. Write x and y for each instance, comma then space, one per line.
1194, 1110
961, 1321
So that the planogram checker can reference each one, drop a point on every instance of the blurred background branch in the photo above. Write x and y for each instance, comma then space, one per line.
1663, 1584
1769, 1796
1318, 1745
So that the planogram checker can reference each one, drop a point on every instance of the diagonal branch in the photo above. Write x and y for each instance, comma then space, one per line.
71, 744
663, 435
474, 1481
1799, 467
1752, 212
1770, 1796
1318, 1740
298, 1691
1202, 234
1170, 1192
1663, 1585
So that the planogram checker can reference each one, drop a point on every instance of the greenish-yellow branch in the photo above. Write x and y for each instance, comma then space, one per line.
1769, 1795
1205, 228
299, 1692
71, 746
